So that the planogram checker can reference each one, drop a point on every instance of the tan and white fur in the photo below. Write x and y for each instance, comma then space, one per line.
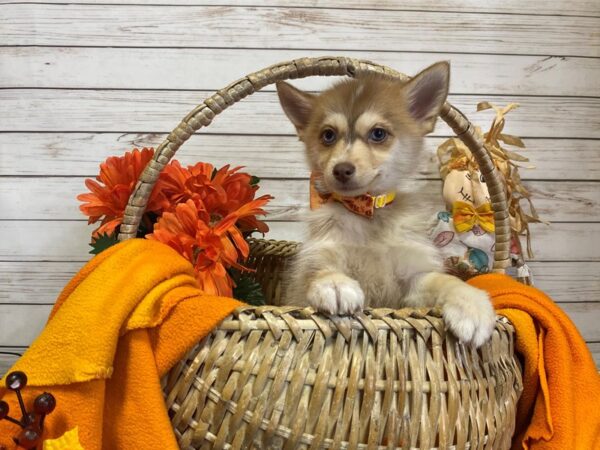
350, 262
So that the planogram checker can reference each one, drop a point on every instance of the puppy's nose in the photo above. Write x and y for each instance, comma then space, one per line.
343, 171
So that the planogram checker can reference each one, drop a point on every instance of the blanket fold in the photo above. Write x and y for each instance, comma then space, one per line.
559, 408
121, 323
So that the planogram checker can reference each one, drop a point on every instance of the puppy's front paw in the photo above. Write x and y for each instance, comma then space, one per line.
336, 294
469, 314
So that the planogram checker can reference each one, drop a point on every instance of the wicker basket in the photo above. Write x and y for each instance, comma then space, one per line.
286, 377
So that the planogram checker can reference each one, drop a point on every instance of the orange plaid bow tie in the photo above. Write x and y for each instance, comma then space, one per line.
465, 216
363, 205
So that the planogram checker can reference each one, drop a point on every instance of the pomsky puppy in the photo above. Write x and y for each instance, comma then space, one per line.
364, 137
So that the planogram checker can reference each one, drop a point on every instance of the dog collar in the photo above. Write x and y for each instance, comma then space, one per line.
363, 205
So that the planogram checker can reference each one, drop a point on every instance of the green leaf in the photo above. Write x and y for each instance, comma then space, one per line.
247, 289
254, 180
102, 242
214, 172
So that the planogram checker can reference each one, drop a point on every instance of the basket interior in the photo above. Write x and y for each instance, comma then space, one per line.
270, 260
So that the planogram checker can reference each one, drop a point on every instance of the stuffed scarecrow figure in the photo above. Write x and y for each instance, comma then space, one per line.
464, 232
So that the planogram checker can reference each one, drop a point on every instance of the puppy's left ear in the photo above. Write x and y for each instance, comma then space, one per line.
296, 104
426, 93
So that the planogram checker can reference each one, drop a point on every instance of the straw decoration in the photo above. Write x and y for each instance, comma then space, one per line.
453, 154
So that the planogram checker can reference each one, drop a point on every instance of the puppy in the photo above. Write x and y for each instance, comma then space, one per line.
364, 137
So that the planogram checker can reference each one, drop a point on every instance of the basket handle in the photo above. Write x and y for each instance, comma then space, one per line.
202, 116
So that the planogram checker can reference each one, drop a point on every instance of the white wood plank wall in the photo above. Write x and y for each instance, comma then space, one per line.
82, 81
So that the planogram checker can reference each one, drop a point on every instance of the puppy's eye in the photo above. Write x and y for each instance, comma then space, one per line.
378, 135
328, 136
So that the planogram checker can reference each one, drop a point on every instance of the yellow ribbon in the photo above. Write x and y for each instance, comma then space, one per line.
68, 441
466, 216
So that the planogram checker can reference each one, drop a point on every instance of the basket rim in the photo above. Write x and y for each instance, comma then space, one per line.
299, 319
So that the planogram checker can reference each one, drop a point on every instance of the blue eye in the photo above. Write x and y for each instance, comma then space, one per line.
378, 135
328, 136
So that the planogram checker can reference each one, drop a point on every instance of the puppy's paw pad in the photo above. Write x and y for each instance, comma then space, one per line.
336, 294
469, 314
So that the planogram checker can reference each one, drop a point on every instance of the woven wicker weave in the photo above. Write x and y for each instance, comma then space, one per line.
286, 377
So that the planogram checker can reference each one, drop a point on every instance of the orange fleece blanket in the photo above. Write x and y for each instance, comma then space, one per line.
123, 321
560, 405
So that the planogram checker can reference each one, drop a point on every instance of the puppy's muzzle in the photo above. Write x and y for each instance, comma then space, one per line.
343, 172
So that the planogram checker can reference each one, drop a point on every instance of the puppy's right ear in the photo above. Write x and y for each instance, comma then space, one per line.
296, 104
426, 94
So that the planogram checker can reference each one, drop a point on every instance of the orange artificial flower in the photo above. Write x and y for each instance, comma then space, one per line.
219, 191
199, 211
212, 247
107, 200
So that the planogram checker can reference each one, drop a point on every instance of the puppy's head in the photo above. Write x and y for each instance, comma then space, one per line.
366, 134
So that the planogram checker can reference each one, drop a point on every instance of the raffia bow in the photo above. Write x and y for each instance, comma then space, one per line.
453, 154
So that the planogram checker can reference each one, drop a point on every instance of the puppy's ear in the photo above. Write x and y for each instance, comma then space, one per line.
296, 104
426, 93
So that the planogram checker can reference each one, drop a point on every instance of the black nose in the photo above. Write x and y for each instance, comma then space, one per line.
343, 171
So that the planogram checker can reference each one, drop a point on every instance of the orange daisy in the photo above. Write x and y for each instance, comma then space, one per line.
212, 247
108, 197
219, 191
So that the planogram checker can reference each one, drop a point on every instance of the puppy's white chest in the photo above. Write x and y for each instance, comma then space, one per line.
376, 272
382, 254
